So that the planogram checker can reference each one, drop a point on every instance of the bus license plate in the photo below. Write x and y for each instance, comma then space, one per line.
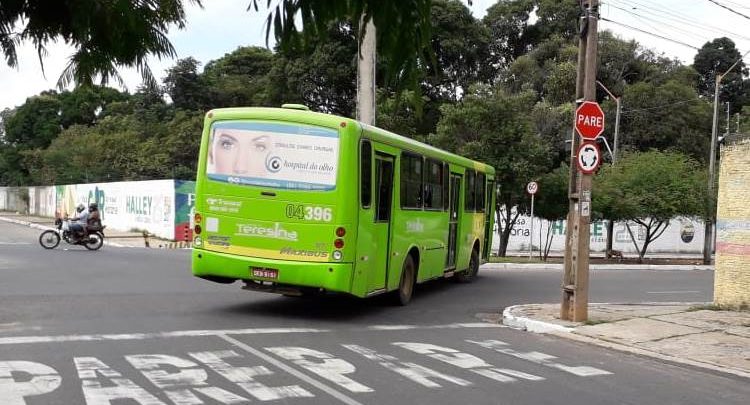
265, 273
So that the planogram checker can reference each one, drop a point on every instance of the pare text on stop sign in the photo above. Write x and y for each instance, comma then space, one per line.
590, 121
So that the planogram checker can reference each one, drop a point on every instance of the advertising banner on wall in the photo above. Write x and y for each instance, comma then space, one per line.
683, 235
128, 206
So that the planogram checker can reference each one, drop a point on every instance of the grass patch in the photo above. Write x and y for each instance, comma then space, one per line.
712, 307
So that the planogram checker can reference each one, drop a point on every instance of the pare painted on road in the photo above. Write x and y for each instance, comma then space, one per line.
248, 376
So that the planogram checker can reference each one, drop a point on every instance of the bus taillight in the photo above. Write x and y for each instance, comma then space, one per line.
338, 243
197, 229
340, 231
197, 218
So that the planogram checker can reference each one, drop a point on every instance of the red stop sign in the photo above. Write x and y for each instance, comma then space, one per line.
589, 120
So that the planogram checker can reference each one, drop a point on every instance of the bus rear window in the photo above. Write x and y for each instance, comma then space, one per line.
276, 155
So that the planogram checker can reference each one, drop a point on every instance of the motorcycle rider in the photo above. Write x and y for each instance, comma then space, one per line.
79, 222
94, 220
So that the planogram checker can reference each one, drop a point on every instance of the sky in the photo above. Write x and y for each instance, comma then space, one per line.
223, 25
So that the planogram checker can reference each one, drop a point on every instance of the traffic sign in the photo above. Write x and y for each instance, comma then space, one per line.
589, 120
532, 187
589, 158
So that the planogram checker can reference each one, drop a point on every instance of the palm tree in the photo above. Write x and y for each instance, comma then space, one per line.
106, 35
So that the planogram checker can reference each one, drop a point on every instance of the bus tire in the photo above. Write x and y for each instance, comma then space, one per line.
406, 284
468, 275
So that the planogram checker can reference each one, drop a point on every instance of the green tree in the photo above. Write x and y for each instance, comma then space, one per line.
488, 125
187, 89
105, 34
670, 116
239, 78
552, 203
650, 189
714, 58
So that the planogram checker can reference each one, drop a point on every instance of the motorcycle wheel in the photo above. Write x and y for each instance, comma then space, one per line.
94, 241
49, 239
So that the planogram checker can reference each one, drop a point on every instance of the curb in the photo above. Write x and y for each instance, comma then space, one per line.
535, 326
45, 228
619, 267
531, 325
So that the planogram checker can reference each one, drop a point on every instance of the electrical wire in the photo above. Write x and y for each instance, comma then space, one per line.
661, 107
729, 8
678, 18
643, 17
650, 33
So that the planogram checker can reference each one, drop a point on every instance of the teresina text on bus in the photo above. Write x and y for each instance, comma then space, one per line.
276, 232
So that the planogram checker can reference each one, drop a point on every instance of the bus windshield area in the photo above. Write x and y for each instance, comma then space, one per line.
274, 155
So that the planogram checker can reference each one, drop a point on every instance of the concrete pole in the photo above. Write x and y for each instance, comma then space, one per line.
366, 59
576, 294
708, 231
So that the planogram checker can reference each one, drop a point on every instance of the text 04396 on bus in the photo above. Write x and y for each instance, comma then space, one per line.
291, 201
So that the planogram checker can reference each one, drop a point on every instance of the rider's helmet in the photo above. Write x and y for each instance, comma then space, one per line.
80, 208
93, 206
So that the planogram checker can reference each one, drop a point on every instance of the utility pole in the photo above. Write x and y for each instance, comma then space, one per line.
576, 278
618, 102
708, 237
366, 58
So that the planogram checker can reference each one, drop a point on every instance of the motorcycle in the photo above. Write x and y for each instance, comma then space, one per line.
50, 238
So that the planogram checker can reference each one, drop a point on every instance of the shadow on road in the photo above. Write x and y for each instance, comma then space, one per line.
336, 307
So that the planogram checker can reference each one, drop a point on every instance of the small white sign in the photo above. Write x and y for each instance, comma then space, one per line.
532, 187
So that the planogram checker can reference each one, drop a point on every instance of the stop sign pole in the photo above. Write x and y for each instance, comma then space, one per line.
589, 124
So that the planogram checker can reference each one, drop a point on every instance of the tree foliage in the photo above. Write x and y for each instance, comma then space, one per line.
650, 188
105, 34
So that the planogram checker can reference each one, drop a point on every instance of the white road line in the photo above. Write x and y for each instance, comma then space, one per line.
674, 292
304, 377
142, 336
15, 243
14, 340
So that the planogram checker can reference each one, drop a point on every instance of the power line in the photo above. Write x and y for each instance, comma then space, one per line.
643, 17
679, 18
729, 8
651, 33
625, 112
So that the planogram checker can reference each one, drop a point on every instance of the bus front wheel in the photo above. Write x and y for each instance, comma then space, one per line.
406, 285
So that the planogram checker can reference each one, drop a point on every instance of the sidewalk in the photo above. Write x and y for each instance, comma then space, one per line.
695, 334
520, 265
112, 237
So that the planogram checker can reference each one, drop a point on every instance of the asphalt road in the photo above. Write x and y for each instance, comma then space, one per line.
131, 325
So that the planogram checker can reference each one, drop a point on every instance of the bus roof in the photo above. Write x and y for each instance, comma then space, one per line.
374, 133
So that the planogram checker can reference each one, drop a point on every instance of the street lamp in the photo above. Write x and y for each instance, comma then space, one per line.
708, 232
617, 119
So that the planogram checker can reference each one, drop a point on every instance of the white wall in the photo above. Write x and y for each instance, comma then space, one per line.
683, 235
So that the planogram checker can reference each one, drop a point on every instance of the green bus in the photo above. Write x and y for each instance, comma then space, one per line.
293, 202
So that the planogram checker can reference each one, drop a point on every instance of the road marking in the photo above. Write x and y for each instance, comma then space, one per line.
142, 336
114, 387
466, 361
540, 358
327, 366
304, 377
36, 379
674, 292
14, 340
15, 243
246, 377
412, 371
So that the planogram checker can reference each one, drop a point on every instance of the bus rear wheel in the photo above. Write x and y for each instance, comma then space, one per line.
406, 285
470, 274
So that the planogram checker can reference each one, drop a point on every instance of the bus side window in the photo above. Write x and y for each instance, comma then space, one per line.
433, 185
446, 185
411, 181
470, 191
366, 173
479, 202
